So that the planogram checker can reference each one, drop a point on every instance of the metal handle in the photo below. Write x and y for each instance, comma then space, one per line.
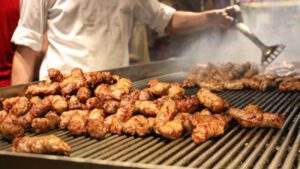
248, 33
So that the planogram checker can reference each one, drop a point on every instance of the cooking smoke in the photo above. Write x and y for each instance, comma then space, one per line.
273, 25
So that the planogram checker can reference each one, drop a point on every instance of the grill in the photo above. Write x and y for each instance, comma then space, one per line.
237, 148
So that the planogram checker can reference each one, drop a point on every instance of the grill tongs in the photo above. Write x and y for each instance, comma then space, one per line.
269, 53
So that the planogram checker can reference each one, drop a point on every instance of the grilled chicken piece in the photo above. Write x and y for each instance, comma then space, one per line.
210, 100
254, 117
176, 91
165, 125
77, 125
114, 92
158, 88
289, 86
43, 125
9, 129
233, 85
50, 144
37, 110
71, 84
147, 108
185, 118
74, 104
111, 106
205, 112
55, 75
209, 126
43, 89
93, 103
124, 113
142, 95
96, 127
9, 102
138, 125
83, 94
211, 85
65, 117
58, 103
17, 106
172, 90
3, 114
189, 104
35, 100
94, 79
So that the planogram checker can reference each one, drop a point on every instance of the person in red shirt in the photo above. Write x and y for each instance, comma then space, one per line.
9, 16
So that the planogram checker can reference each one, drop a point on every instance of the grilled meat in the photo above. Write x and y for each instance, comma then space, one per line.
211, 85
96, 127
158, 88
165, 125
111, 106
43, 89
176, 91
255, 117
71, 84
208, 126
189, 104
48, 123
289, 86
147, 108
3, 114
138, 125
114, 92
37, 110
58, 103
233, 85
17, 106
83, 94
41, 144
74, 104
210, 100
94, 79
55, 75
93, 103
9, 129
65, 117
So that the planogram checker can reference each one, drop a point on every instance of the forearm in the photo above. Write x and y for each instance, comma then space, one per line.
24, 62
189, 22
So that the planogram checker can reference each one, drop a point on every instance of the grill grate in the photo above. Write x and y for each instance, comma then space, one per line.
237, 148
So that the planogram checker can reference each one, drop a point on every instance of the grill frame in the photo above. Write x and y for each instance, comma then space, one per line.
245, 145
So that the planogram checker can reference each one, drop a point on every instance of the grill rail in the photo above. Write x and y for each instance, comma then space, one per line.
237, 148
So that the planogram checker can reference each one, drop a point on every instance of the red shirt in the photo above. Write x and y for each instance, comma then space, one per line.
9, 16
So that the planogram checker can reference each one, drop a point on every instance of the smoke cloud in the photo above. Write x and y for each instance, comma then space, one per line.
273, 25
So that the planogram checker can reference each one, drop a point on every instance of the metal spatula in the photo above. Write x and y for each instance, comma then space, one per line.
269, 53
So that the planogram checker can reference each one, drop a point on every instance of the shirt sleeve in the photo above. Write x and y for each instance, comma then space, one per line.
32, 24
154, 14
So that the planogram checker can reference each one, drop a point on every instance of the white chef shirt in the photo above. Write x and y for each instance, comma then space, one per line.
89, 34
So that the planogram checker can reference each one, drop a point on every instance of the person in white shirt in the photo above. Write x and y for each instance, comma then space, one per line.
94, 34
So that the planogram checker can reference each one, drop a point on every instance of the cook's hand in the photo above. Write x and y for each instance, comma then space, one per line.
227, 16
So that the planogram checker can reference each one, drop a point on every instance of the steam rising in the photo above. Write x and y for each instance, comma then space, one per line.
272, 25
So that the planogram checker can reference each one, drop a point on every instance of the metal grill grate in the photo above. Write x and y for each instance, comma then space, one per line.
237, 148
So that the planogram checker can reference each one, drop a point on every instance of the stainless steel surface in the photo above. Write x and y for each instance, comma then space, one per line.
237, 148
269, 53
